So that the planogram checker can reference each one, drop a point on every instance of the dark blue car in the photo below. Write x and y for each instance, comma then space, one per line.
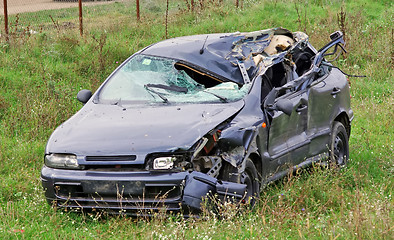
194, 118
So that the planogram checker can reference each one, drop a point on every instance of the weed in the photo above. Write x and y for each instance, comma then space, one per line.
100, 50
166, 22
302, 20
341, 18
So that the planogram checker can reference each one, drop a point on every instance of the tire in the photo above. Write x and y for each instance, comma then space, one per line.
339, 145
249, 177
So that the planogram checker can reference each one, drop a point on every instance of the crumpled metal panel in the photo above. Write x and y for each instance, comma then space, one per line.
200, 187
104, 130
219, 54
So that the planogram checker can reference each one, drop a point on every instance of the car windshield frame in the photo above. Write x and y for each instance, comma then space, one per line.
151, 80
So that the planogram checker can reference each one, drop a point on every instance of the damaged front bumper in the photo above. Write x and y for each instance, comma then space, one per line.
135, 192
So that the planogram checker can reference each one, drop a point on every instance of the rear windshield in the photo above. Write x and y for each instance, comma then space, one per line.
150, 80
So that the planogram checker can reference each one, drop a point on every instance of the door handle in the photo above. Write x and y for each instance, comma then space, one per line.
301, 107
335, 91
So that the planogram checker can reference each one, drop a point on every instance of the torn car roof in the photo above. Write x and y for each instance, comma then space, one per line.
219, 55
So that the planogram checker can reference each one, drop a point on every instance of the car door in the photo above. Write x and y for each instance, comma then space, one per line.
328, 94
287, 140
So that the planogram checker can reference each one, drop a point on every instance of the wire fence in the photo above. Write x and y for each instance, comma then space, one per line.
21, 17
31, 16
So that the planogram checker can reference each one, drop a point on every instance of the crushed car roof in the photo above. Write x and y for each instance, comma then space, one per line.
219, 55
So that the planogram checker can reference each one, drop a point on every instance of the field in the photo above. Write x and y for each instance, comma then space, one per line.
40, 75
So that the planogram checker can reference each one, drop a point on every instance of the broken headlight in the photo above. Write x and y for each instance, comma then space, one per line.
65, 161
174, 163
163, 163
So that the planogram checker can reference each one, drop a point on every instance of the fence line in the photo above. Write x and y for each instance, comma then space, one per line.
6, 17
31, 16
22, 17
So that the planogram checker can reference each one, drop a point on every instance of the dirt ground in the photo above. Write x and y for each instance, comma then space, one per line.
20, 6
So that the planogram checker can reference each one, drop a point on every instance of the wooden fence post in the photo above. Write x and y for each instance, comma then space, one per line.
5, 20
80, 18
138, 9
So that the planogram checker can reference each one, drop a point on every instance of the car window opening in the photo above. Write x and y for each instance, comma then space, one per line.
266, 86
200, 77
277, 75
303, 61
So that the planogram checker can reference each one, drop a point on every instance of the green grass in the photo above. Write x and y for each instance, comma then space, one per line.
40, 75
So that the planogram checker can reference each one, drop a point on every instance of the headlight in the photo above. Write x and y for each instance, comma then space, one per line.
62, 161
163, 163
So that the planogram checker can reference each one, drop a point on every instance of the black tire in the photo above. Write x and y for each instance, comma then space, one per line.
249, 177
339, 145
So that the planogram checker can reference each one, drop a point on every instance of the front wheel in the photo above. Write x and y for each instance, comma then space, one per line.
339, 145
249, 177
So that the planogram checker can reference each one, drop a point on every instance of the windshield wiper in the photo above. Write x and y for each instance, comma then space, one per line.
223, 99
166, 87
147, 87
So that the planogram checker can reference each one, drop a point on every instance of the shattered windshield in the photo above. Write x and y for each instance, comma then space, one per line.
149, 80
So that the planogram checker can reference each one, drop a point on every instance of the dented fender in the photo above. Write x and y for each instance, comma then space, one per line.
237, 157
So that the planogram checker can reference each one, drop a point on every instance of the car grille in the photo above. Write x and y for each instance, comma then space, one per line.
115, 168
111, 158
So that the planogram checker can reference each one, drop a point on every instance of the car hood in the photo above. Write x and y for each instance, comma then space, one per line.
100, 130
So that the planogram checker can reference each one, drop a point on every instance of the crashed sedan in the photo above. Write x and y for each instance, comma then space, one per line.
197, 117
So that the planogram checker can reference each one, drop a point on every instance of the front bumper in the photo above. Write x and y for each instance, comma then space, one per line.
141, 192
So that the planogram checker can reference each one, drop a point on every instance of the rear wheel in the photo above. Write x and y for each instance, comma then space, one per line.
339, 146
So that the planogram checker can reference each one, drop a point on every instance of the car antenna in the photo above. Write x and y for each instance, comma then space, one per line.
202, 49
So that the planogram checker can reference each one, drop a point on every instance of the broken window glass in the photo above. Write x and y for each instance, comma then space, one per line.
149, 80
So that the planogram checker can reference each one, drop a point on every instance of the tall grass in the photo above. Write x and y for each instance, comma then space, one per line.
41, 73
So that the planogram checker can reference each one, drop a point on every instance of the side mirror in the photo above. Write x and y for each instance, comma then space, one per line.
335, 35
84, 95
336, 40
285, 105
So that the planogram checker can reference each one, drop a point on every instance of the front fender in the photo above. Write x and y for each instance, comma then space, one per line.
239, 147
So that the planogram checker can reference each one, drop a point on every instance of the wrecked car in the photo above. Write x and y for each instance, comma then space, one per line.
194, 117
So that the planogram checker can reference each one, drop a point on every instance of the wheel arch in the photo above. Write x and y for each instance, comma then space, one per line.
256, 159
344, 119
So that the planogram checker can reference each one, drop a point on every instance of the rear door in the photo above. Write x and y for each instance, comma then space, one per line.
329, 96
